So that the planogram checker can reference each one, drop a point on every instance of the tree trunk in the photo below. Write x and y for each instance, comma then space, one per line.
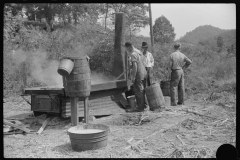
106, 19
69, 18
130, 32
151, 30
75, 18
48, 15
24, 75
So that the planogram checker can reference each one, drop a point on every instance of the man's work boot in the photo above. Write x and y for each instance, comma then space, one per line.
178, 103
134, 110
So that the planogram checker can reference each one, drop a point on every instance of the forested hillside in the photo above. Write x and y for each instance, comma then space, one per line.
228, 38
201, 33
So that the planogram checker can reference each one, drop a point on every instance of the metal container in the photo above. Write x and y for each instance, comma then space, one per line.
91, 141
155, 97
167, 101
165, 87
79, 81
65, 66
132, 101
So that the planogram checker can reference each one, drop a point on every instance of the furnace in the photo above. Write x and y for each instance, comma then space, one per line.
106, 98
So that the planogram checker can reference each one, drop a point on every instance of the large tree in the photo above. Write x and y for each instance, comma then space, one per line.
136, 16
163, 31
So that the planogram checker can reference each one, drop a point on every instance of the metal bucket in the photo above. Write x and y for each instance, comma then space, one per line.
165, 87
132, 101
88, 141
167, 101
65, 67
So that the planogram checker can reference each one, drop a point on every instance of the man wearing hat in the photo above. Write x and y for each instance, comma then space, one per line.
138, 77
178, 61
148, 62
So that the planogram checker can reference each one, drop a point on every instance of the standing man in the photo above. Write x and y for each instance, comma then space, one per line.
178, 61
138, 77
148, 62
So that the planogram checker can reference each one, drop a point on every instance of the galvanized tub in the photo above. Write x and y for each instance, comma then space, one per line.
88, 141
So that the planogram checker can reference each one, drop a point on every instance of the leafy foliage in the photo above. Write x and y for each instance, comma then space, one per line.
201, 33
163, 31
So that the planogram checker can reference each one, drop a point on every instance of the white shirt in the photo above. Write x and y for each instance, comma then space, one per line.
148, 60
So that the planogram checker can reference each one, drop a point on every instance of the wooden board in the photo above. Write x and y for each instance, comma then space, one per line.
60, 91
107, 105
16, 126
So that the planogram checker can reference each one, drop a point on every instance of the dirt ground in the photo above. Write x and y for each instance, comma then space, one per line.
194, 130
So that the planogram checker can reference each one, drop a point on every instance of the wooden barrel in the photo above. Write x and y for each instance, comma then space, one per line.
155, 97
79, 81
165, 87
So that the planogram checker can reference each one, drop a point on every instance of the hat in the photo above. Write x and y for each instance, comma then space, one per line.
177, 45
144, 45
128, 44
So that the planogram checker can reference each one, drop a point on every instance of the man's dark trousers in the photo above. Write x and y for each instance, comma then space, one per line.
177, 84
149, 76
139, 91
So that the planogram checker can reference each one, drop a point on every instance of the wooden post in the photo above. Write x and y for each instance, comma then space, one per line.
86, 110
119, 50
151, 30
74, 111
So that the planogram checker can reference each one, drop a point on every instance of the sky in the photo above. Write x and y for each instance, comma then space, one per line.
185, 17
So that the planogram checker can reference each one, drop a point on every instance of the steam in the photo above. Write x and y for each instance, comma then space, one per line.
45, 71
19, 56
41, 69
98, 78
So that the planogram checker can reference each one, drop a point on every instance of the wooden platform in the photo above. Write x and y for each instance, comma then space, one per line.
104, 99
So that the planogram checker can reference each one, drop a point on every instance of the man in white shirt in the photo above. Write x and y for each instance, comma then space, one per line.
148, 62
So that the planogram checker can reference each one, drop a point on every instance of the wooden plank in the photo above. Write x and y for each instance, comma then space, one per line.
43, 126
96, 87
48, 91
16, 126
101, 106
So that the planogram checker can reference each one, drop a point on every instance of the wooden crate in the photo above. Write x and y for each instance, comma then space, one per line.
44, 103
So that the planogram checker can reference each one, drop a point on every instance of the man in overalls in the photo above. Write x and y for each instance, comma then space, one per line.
178, 61
138, 77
